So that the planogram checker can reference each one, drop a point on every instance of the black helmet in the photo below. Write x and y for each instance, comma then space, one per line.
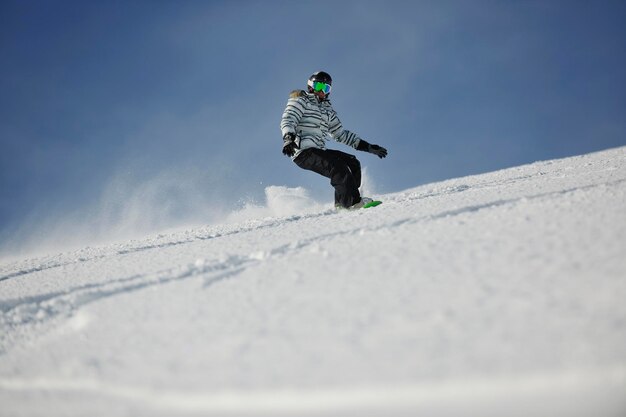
320, 81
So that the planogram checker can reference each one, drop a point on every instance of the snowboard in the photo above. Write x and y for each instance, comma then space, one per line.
372, 204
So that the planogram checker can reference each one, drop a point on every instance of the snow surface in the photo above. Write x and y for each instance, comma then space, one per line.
500, 294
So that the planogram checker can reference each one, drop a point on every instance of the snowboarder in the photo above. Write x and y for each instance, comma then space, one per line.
307, 121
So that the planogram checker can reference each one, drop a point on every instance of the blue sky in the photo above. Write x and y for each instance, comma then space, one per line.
120, 117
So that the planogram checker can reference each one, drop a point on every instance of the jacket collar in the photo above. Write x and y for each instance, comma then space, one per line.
312, 97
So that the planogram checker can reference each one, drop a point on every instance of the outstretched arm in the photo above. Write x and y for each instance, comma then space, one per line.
352, 139
340, 134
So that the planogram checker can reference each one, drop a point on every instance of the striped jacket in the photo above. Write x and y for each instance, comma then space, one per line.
312, 122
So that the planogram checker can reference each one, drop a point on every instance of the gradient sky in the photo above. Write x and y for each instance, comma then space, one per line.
134, 116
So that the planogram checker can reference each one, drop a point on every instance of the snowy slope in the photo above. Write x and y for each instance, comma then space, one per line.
495, 294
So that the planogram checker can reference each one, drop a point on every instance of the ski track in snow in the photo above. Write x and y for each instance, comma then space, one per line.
25, 319
144, 247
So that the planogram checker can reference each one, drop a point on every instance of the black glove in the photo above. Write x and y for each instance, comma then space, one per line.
289, 146
379, 151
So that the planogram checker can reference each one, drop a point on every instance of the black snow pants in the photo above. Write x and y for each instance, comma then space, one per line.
343, 169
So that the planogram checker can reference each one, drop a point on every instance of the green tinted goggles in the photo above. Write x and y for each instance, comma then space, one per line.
319, 86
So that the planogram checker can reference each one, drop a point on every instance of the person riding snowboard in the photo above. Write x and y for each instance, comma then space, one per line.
307, 122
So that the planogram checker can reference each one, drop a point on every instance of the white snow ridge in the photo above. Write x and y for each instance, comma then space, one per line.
499, 294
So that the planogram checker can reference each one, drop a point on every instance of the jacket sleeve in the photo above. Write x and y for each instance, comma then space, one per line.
293, 113
340, 134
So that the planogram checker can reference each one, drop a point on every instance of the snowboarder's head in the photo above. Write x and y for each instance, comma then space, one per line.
320, 84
